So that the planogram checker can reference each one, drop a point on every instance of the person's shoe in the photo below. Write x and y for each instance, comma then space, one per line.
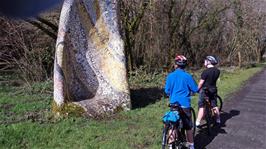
218, 123
197, 124
170, 146
190, 145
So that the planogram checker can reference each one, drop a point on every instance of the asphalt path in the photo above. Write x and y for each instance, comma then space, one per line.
243, 119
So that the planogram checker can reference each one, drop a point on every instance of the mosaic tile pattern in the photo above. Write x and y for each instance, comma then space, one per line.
89, 60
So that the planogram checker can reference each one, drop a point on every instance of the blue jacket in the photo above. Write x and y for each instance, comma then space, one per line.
178, 86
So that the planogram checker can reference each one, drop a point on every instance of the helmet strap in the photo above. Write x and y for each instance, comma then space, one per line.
210, 66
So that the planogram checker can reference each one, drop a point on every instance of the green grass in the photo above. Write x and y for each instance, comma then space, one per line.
26, 120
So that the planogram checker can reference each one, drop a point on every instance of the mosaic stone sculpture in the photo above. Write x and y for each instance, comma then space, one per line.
89, 66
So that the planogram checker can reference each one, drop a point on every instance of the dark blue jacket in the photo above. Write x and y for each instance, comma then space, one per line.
179, 85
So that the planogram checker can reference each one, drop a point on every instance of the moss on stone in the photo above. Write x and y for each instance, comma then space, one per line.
67, 109
119, 109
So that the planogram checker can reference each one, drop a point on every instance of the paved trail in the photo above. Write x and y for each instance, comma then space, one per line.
243, 119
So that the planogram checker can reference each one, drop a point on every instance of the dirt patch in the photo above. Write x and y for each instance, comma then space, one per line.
6, 106
34, 116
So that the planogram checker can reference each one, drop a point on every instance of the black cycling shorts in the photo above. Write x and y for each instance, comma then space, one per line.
212, 97
186, 119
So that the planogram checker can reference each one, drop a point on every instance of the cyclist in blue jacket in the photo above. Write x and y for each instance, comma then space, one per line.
179, 85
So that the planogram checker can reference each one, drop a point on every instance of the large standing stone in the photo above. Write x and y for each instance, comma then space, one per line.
89, 60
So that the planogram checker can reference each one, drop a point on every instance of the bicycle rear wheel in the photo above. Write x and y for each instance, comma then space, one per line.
208, 118
219, 103
193, 114
166, 136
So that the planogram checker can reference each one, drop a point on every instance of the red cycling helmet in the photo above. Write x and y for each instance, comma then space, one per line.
180, 60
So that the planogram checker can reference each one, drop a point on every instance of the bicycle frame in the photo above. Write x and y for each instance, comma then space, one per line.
209, 112
208, 105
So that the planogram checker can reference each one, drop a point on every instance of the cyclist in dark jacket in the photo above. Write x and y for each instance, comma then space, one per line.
179, 85
208, 80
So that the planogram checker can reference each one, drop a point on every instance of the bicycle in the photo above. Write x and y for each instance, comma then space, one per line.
210, 115
173, 128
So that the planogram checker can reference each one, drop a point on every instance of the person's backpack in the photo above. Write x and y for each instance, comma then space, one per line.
171, 116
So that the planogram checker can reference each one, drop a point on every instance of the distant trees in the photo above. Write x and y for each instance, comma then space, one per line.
26, 50
233, 30
153, 32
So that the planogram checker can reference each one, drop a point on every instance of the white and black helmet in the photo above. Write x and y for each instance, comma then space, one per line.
212, 59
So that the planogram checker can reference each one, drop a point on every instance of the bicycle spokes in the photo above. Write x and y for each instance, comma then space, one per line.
172, 136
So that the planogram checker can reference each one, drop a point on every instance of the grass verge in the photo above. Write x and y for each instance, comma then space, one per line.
26, 122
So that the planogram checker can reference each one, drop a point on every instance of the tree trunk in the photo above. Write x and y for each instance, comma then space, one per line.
239, 59
90, 68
